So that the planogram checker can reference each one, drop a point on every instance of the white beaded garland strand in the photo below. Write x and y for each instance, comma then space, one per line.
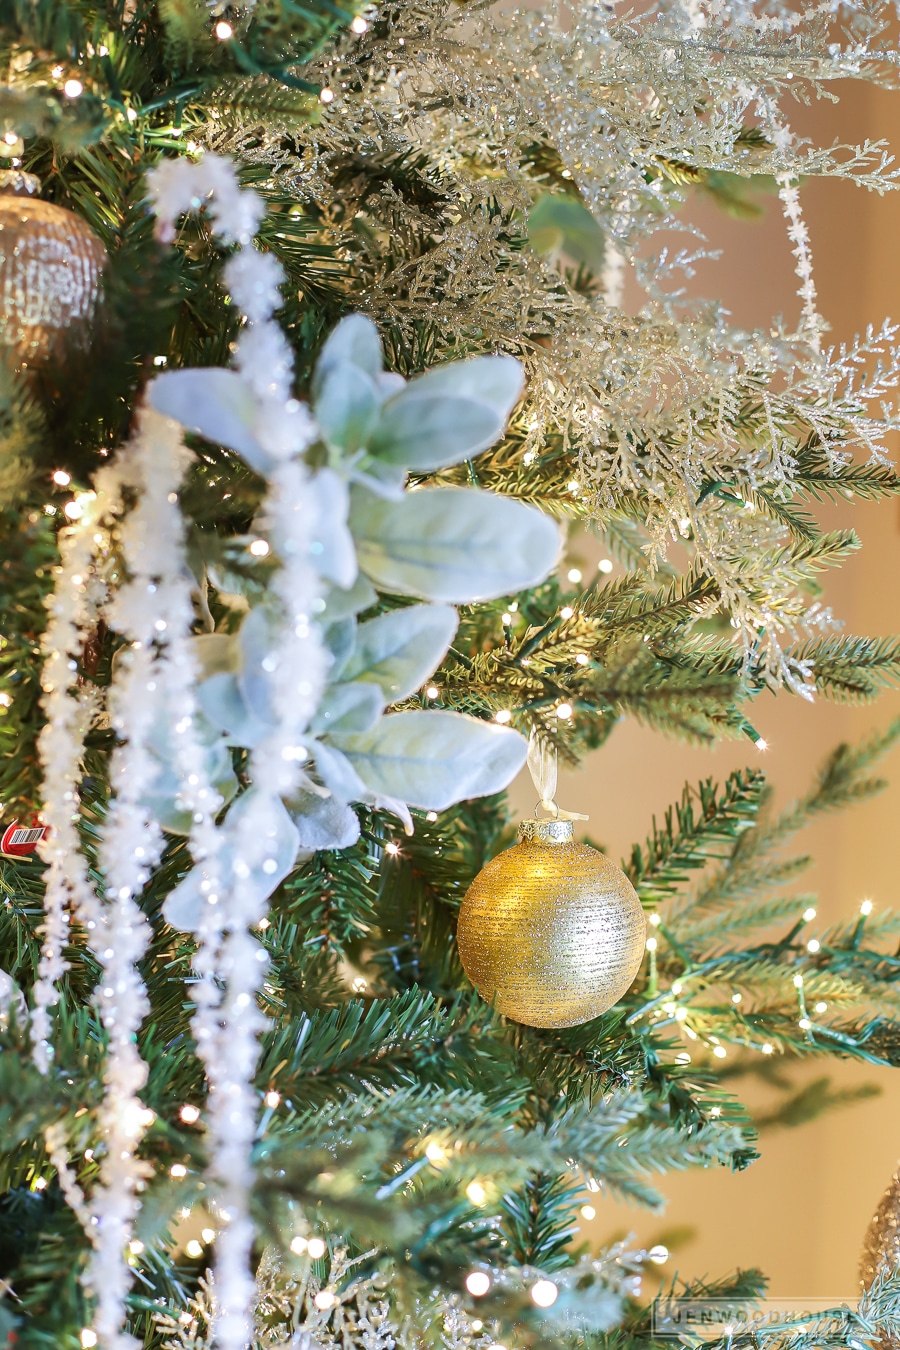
229, 960
153, 465
67, 715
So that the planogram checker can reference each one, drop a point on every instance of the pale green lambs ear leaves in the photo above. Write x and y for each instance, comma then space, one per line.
323, 822
347, 407
347, 708
559, 223
185, 904
452, 544
353, 342
220, 405
449, 414
442, 545
439, 419
400, 649
431, 759
332, 548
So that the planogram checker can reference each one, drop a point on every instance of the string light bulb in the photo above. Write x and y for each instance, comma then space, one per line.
224, 30
544, 1293
73, 88
566, 612
605, 565
564, 711
359, 25
432, 692
478, 1283
326, 95
325, 1299
503, 716
809, 915
190, 1114
476, 1192
88, 1338
588, 1212
866, 907
316, 1248
194, 1248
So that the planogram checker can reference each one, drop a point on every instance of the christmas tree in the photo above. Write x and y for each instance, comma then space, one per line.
315, 347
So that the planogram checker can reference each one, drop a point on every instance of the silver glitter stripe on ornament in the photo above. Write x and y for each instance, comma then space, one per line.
50, 266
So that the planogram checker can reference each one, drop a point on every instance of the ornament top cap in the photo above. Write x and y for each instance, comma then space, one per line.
546, 831
18, 184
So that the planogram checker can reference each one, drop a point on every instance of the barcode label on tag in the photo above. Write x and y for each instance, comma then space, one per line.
26, 836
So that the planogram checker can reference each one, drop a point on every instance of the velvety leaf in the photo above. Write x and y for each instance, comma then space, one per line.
558, 222
450, 413
183, 908
340, 602
338, 774
347, 407
400, 649
453, 544
429, 432
323, 822
216, 404
332, 548
433, 759
216, 652
347, 708
224, 705
354, 341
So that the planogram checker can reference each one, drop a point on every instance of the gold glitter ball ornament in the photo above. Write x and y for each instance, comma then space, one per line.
881, 1247
50, 266
551, 931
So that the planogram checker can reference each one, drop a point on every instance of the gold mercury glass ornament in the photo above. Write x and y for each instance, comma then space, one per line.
881, 1247
551, 931
50, 265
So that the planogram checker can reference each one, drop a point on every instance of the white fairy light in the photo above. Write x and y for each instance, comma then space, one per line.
478, 1283
544, 1293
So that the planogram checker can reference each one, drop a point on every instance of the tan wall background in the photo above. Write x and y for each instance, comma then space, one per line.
801, 1211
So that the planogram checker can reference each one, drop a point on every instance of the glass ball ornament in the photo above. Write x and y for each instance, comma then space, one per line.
50, 267
551, 932
881, 1246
